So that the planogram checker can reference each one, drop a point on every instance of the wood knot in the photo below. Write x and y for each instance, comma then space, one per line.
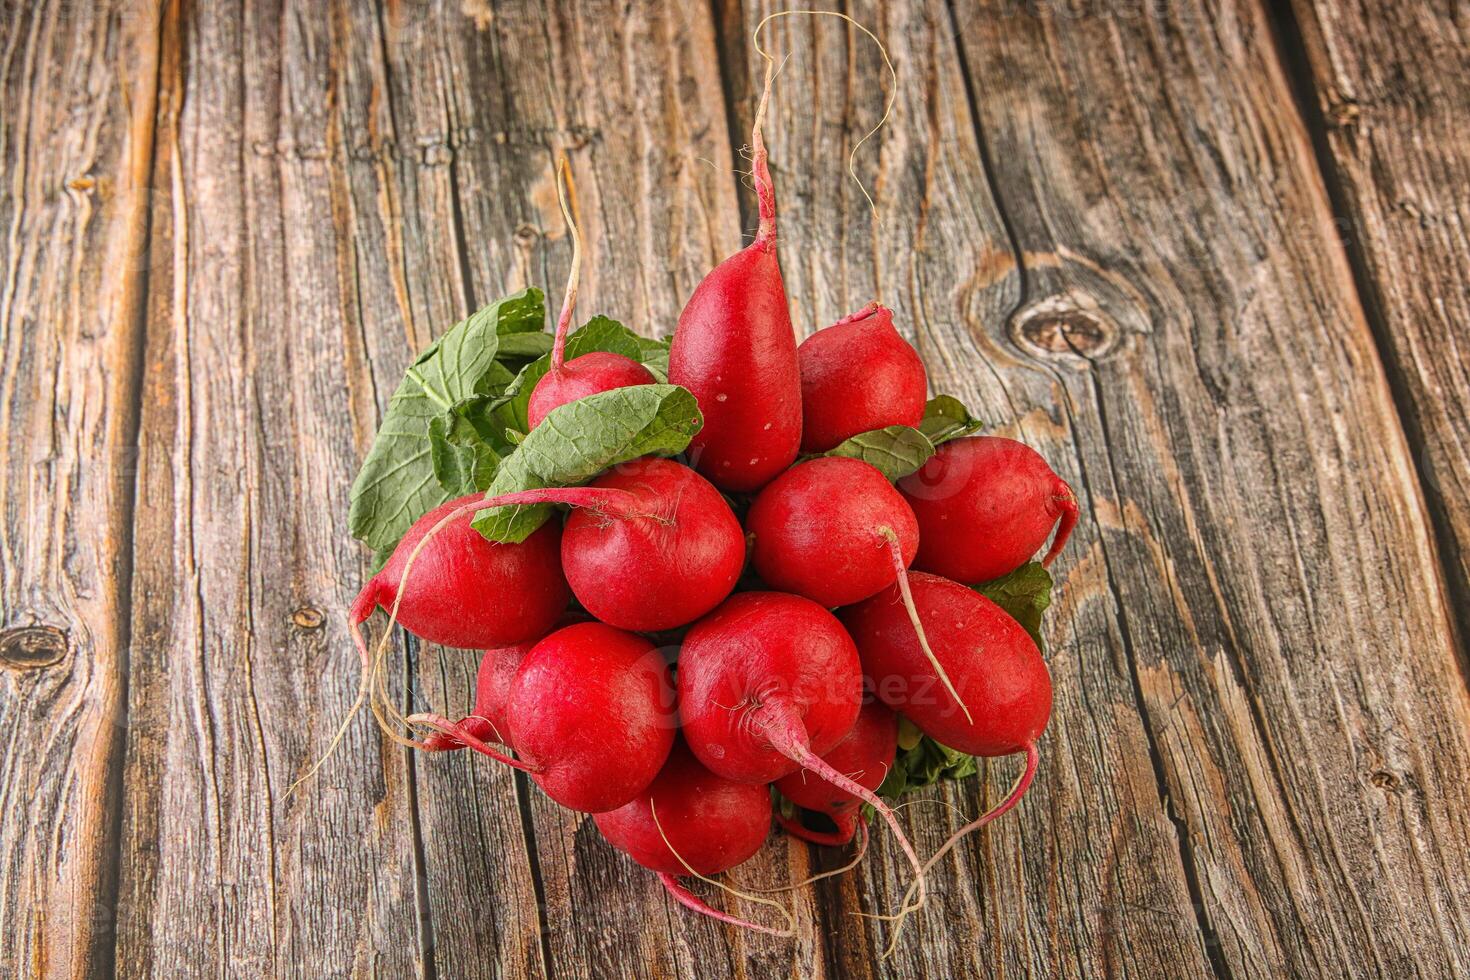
1056, 327
1386, 781
526, 235
308, 618
32, 647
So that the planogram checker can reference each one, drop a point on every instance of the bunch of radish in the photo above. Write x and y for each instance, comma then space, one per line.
719, 584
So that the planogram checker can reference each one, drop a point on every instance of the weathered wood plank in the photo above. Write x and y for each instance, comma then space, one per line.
1260, 523
77, 84
1392, 112
259, 403
1087, 876
627, 92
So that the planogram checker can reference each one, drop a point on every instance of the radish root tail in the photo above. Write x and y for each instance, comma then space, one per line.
1018, 790
759, 147
896, 551
784, 730
861, 827
1067, 501
566, 196
691, 901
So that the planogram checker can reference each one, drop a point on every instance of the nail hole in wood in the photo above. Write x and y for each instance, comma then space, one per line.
32, 647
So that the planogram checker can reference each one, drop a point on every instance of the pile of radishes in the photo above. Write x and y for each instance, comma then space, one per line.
720, 583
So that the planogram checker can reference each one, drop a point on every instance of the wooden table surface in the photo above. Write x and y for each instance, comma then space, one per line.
1212, 258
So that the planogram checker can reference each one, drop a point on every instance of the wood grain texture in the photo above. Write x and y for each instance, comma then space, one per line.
241, 667
76, 122
1044, 892
1242, 459
1392, 114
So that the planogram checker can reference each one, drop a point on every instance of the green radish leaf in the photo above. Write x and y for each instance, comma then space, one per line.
1025, 594
925, 763
896, 450
581, 439
946, 418
397, 484
463, 462
598, 334
521, 347
655, 356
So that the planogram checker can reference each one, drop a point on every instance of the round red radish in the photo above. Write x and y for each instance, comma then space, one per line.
758, 663
767, 683
712, 823
669, 556
734, 349
858, 375
990, 657
831, 529
592, 716
589, 374
651, 546
865, 755
465, 591
985, 506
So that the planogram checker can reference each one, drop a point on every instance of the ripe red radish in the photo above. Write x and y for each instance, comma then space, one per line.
985, 506
457, 591
487, 721
991, 658
767, 683
734, 349
858, 375
590, 715
865, 755
651, 546
691, 821
834, 530
593, 372
831, 529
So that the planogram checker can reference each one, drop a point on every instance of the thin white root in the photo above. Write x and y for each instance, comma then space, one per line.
786, 913
887, 108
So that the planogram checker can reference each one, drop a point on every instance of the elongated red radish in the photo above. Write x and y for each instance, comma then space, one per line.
567, 381
590, 715
858, 375
767, 683
487, 721
651, 544
985, 506
865, 755
834, 530
735, 350
691, 821
458, 591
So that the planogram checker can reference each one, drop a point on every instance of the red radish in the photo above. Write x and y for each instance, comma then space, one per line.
591, 717
691, 821
865, 755
459, 592
831, 529
591, 373
858, 375
834, 530
734, 349
492, 694
651, 546
992, 659
985, 506
767, 683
